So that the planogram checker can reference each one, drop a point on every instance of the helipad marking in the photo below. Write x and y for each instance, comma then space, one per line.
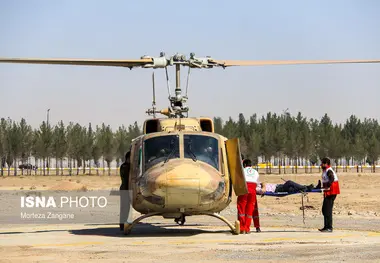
302, 238
184, 242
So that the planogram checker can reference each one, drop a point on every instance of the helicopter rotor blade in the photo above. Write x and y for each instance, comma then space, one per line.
143, 62
230, 63
162, 62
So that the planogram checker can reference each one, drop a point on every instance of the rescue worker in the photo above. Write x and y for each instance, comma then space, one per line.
124, 174
246, 203
124, 171
330, 186
255, 215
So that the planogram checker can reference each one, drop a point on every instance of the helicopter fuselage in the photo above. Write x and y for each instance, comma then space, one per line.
179, 172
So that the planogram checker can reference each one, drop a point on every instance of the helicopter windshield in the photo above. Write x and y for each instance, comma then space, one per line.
160, 149
202, 148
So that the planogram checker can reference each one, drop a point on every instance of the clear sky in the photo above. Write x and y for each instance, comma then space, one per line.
323, 29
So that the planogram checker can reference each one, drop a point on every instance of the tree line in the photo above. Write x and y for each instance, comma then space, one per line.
79, 144
296, 140
279, 139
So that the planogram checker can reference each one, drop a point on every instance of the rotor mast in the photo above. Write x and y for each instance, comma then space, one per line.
178, 101
178, 107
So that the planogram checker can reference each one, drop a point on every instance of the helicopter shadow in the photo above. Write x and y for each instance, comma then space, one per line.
148, 230
33, 232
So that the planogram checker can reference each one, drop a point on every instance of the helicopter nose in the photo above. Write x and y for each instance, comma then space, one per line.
185, 184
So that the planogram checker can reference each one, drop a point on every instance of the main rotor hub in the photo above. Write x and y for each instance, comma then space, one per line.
178, 107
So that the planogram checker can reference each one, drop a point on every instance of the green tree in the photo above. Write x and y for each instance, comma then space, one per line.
371, 141
43, 143
351, 130
59, 145
122, 143
373, 150
279, 138
253, 147
3, 134
75, 138
218, 125
325, 132
13, 143
96, 152
26, 134
268, 131
291, 149
336, 144
89, 146
134, 131
304, 140
230, 129
107, 145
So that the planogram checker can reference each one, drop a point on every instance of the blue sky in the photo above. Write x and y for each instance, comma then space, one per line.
220, 29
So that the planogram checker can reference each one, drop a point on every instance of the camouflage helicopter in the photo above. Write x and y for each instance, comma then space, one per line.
179, 166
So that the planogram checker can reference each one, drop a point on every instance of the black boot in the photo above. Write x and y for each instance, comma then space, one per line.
318, 185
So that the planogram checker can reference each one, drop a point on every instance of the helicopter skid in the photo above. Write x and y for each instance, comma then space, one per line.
234, 229
128, 227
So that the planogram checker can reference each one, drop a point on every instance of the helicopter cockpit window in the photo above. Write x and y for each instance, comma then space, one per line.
160, 149
202, 148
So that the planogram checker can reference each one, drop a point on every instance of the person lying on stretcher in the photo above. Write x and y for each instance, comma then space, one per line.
289, 187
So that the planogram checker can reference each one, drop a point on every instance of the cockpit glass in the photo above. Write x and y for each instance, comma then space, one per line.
202, 148
160, 149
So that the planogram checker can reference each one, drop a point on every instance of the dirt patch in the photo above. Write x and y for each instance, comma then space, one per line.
69, 186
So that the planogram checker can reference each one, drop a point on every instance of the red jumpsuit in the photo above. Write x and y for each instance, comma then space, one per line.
246, 203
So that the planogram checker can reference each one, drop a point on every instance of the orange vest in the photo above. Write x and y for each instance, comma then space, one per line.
334, 187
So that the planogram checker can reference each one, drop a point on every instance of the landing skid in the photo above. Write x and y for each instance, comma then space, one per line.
128, 227
234, 229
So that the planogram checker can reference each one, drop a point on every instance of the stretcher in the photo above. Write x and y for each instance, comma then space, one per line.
303, 194
282, 194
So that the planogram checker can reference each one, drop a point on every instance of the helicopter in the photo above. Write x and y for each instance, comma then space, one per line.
180, 166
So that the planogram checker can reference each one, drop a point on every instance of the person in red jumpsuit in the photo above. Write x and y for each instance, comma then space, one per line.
246, 203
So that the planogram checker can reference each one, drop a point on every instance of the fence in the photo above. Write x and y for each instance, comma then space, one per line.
115, 170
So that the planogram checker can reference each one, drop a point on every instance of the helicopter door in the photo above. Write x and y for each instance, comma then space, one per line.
235, 166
